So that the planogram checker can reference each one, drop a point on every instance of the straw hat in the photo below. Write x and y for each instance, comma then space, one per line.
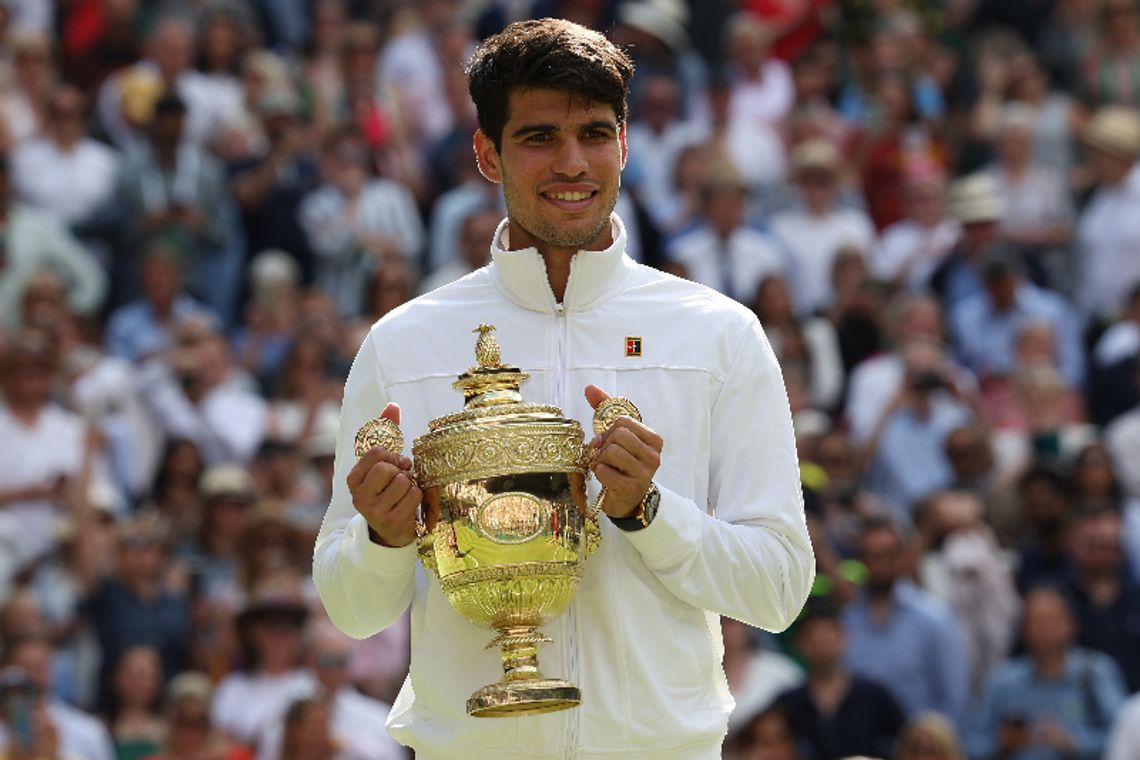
663, 19
1114, 130
816, 155
975, 199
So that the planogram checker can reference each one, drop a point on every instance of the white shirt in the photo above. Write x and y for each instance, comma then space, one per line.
768, 675
81, 736
735, 266
910, 250
814, 241
1119, 342
357, 728
70, 185
642, 635
1108, 238
766, 100
1124, 740
245, 704
1122, 439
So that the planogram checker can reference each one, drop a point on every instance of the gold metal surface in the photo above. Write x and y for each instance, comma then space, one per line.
508, 482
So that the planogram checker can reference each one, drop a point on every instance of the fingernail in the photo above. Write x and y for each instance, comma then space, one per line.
596, 442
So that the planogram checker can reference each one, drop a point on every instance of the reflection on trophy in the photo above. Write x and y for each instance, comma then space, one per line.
508, 481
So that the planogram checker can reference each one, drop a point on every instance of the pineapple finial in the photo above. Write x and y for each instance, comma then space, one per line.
487, 351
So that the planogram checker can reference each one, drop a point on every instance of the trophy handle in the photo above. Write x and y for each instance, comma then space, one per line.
383, 432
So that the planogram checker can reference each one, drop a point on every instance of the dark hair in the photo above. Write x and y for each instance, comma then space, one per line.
551, 54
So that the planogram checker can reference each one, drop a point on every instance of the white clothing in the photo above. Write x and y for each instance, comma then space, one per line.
1130, 537
735, 266
1122, 439
445, 275
50, 448
81, 736
448, 214
756, 151
70, 185
814, 241
335, 228
874, 382
769, 674
357, 727
652, 172
766, 100
642, 636
1119, 342
1108, 236
1124, 739
245, 704
196, 90
410, 65
910, 251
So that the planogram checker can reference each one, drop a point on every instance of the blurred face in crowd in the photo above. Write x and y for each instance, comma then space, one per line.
749, 42
821, 641
27, 379
1096, 545
1035, 345
33, 59
969, 453
560, 165
221, 42
161, 279
1016, 146
328, 25
141, 557
772, 738
44, 302
348, 166
773, 303
172, 48
276, 639
881, 551
724, 206
35, 657
390, 286
926, 198
817, 187
659, 103
1002, 290
66, 113
1121, 22
329, 654
475, 238
309, 735
1044, 504
189, 726
138, 677
1109, 168
1093, 474
1048, 626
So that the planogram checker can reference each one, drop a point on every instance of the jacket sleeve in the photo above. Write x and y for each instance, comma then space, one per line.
751, 559
365, 587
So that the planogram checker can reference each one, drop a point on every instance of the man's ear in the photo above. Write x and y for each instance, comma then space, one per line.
624, 147
487, 158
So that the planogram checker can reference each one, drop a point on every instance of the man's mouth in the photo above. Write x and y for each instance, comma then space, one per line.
570, 200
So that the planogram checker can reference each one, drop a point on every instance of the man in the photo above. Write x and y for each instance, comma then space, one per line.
1054, 702
551, 104
836, 713
901, 636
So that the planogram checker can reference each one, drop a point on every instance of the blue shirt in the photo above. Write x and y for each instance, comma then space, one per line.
1083, 701
986, 339
917, 652
134, 330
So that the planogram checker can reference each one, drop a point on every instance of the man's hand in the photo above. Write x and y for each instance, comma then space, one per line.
383, 491
627, 458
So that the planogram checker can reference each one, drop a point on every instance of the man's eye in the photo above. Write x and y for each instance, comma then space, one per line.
597, 134
538, 137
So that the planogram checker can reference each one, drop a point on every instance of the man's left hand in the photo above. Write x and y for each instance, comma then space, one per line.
627, 458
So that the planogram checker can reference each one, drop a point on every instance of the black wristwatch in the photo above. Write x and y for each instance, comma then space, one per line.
644, 513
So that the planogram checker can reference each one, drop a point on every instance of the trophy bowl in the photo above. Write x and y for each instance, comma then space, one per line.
505, 522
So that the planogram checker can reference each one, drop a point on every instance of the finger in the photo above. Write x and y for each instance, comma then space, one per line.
617, 482
406, 507
373, 456
394, 490
391, 412
595, 396
377, 479
621, 460
642, 451
644, 433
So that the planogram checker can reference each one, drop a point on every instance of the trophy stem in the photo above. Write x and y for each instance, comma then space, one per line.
522, 690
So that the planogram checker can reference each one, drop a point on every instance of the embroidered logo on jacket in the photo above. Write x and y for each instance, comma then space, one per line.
633, 345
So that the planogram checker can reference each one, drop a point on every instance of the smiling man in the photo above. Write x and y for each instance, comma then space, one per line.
704, 509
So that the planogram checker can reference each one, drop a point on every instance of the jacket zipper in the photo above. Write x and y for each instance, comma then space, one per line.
570, 624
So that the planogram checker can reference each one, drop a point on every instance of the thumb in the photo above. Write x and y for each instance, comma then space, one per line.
391, 412
595, 395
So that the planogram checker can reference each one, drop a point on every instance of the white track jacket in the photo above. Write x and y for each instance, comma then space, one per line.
642, 639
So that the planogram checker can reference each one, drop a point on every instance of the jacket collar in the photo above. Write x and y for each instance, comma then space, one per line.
521, 274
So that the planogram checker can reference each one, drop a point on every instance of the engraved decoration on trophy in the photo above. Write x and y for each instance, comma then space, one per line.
507, 480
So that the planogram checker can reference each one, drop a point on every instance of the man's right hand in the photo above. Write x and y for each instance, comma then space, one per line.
383, 491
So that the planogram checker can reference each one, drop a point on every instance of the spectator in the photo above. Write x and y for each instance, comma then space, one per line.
1043, 532
910, 250
1055, 701
140, 602
248, 701
985, 326
77, 734
1104, 596
817, 231
24, 100
658, 131
756, 675
133, 716
975, 203
721, 251
837, 713
902, 636
34, 241
1124, 741
1108, 231
762, 87
477, 228
1117, 49
928, 737
769, 737
357, 721
64, 172
355, 223
190, 735
1121, 438
308, 731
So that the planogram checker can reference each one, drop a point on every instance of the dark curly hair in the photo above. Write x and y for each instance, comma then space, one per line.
545, 54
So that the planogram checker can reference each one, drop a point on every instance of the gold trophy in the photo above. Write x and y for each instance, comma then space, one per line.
507, 480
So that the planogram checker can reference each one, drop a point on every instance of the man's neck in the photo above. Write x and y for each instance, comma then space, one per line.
27, 412
1051, 665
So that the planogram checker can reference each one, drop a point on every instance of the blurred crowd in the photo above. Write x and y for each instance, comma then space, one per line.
933, 207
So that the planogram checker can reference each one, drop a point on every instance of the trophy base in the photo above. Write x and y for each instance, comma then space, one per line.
511, 699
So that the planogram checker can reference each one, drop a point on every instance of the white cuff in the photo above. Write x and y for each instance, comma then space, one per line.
674, 532
382, 560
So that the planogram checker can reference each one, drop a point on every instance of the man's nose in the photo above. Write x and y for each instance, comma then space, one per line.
571, 159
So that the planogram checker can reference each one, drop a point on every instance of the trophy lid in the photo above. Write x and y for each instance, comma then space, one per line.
497, 432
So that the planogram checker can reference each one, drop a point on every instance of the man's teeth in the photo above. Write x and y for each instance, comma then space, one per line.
570, 196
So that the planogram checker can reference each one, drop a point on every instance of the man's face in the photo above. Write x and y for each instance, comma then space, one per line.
559, 163
881, 553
